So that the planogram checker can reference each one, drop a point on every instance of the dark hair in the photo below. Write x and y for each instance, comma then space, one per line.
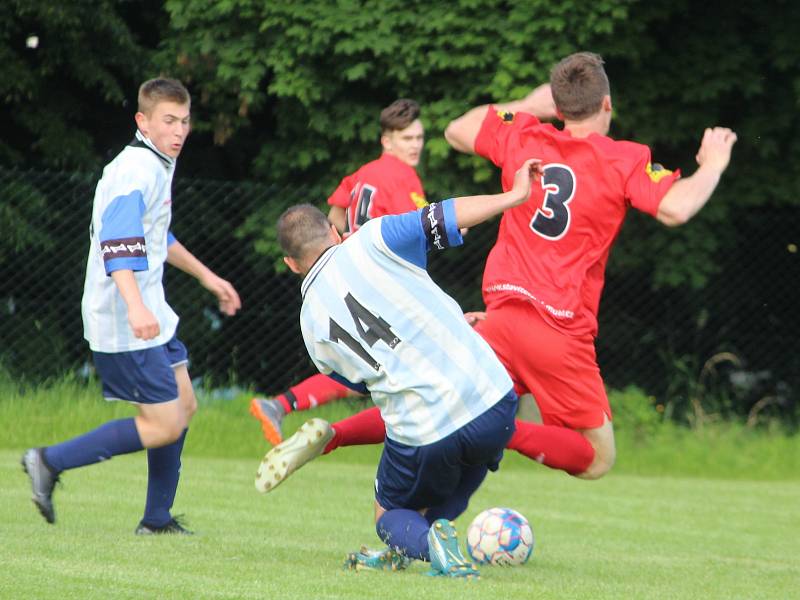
301, 228
161, 89
399, 115
578, 83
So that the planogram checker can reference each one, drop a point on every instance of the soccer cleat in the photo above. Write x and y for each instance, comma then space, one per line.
270, 413
376, 560
445, 553
43, 480
304, 445
174, 527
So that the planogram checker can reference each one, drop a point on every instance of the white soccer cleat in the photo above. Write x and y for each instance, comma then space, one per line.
305, 445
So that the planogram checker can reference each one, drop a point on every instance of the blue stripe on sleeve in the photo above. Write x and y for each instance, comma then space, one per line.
171, 239
138, 263
453, 232
122, 218
404, 236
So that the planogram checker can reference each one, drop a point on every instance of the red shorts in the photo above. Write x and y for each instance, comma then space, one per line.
559, 370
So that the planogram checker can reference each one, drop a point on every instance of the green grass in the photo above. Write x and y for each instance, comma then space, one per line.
683, 515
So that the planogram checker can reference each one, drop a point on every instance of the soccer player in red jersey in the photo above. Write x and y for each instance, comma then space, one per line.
544, 276
385, 186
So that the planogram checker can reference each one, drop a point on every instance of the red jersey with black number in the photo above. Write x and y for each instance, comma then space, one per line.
552, 250
386, 186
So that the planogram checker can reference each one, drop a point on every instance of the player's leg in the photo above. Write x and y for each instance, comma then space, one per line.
534, 353
361, 429
164, 463
141, 376
316, 390
602, 439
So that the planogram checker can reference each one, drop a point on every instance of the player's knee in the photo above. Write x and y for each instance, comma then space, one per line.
604, 458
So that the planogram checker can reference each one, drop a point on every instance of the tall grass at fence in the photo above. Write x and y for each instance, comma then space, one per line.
35, 415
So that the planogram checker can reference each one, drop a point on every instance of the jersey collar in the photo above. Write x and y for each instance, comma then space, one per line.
321, 261
141, 141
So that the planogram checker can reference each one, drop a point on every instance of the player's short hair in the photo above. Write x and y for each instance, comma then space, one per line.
399, 115
578, 83
161, 89
301, 229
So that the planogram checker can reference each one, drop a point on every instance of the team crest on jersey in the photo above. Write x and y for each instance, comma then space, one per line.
506, 116
656, 172
418, 200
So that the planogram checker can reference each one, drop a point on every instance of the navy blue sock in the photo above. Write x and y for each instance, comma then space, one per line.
457, 503
111, 439
163, 472
406, 531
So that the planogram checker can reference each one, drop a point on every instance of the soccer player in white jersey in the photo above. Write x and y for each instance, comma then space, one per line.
127, 321
373, 319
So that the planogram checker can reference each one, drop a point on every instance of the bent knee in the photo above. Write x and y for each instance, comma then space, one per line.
602, 464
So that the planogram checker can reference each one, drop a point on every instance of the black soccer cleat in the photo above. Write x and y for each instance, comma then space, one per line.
173, 527
43, 481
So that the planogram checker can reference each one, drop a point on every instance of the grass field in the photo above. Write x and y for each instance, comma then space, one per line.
625, 536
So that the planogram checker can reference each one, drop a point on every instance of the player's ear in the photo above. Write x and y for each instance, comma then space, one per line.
336, 237
292, 264
607, 103
141, 122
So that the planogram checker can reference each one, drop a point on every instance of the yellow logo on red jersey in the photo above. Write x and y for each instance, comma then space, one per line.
419, 201
656, 172
506, 116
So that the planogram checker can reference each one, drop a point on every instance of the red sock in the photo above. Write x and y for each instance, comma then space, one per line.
363, 428
553, 446
314, 391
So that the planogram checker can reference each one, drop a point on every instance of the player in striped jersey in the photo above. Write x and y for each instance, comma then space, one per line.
388, 185
373, 319
127, 321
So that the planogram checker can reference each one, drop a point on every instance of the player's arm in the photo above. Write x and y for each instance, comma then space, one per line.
471, 210
143, 323
687, 196
178, 256
338, 217
461, 132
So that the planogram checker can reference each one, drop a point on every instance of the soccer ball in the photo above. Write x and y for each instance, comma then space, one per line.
500, 536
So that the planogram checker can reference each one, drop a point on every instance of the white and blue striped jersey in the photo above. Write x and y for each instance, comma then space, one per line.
372, 315
129, 230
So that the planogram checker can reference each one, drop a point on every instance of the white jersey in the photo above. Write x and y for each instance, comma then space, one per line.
372, 315
130, 229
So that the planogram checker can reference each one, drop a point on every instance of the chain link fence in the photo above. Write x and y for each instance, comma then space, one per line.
726, 345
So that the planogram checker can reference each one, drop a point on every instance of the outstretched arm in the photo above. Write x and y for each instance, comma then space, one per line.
461, 132
178, 256
687, 196
471, 210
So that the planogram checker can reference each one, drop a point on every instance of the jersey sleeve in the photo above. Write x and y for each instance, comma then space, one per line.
412, 234
500, 132
122, 242
648, 182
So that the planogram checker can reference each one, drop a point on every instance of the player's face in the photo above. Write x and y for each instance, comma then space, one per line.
167, 126
406, 144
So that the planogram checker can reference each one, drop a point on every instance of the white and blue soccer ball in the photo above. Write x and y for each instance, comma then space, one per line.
500, 536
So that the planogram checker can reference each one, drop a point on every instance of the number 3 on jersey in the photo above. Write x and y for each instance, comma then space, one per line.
551, 221
371, 328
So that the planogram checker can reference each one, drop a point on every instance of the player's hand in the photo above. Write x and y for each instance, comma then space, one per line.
472, 318
540, 103
530, 170
143, 323
229, 301
715, 149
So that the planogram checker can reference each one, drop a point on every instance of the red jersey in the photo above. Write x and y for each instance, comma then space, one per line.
553, 249
386, 186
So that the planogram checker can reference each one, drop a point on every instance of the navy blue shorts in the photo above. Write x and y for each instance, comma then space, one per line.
417, 477
143, 376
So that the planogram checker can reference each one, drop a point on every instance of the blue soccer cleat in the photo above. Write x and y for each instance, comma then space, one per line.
446, 557
376, 560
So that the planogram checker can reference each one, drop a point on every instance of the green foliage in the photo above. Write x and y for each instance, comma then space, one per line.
65, 68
